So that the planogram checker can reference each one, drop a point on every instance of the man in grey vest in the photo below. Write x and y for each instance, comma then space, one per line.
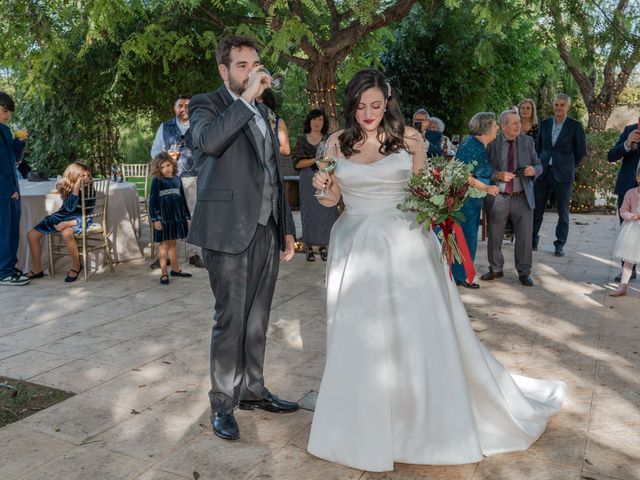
174, 136
515, 165
241, 220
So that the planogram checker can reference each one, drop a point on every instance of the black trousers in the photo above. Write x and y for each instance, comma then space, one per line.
620, 202
243, 287
562, 193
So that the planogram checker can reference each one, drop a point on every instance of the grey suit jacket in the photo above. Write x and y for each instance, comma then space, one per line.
230, 174
525, 156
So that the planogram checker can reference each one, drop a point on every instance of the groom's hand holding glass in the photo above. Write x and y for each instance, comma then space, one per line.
257, 82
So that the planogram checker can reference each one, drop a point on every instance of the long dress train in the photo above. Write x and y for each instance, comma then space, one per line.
406, 378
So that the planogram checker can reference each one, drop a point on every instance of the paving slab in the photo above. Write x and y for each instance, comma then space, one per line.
137, 356
23, 449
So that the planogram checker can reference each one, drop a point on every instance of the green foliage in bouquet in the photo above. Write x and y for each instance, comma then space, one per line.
438, 192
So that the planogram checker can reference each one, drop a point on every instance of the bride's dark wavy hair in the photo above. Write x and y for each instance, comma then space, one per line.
391, 128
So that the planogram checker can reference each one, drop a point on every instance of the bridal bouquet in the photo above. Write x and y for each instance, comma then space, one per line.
437, 194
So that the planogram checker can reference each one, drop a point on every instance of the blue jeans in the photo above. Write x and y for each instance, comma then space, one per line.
9, 235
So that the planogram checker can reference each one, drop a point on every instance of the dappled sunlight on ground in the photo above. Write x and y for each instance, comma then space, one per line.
137, 356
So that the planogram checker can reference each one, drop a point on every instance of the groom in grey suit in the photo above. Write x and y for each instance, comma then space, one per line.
515, 165
241, 221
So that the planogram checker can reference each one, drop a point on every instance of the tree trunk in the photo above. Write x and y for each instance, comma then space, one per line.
601, 107
598, 120
321, 74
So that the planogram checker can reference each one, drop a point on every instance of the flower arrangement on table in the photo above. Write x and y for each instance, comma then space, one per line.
437, 194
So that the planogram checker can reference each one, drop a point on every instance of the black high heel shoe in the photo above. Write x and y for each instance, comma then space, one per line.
310, 256
323, 253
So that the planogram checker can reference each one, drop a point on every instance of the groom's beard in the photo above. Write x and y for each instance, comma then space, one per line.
237, 87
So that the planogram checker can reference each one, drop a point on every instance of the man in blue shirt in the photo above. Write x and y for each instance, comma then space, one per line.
10, 151
561, 146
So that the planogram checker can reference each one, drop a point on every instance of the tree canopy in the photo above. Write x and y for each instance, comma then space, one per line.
93, 78
452, 63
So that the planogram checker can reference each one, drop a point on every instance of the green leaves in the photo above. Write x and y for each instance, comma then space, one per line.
438, 200
458, 59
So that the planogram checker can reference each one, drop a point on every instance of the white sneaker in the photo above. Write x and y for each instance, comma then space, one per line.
15, 280
20, 274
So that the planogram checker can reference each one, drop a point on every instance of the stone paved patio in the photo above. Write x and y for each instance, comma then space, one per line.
136, 355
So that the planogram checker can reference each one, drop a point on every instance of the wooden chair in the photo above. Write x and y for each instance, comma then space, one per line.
95, 204
138, 174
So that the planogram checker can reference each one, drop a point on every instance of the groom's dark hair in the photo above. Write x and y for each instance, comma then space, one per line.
223, 51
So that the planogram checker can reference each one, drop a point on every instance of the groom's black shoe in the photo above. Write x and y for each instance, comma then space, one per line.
225, 426
271, 404
491, 275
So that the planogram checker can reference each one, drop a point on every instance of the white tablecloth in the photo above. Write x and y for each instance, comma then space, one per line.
39, 199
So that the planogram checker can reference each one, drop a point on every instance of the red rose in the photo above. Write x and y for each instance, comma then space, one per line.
437, 174
449, 202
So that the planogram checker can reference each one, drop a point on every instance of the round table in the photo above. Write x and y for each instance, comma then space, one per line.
39, 199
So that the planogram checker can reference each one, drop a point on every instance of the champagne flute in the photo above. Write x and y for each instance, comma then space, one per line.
326, 159
277, 80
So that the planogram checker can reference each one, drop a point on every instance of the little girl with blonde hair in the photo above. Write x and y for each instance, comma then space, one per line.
67, 220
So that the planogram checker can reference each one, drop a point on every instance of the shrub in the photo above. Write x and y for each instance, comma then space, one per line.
595, 176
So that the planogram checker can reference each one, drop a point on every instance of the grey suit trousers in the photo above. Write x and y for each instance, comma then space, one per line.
500, 209
243, 285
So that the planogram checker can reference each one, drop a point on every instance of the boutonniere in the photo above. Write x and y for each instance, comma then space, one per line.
272, 119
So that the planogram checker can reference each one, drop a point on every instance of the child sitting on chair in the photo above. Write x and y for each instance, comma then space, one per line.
169, 213
67, 220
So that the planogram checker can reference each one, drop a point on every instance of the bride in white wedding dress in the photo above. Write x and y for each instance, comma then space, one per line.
405, 380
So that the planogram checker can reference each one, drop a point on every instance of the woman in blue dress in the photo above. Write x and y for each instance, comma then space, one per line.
67, 220
483, 129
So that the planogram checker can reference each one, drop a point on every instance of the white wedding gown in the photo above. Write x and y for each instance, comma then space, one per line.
406, 380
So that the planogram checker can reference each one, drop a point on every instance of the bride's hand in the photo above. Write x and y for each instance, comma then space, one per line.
321, 180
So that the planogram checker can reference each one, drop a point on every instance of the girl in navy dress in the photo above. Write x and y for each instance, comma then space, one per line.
67, 220
169, 213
